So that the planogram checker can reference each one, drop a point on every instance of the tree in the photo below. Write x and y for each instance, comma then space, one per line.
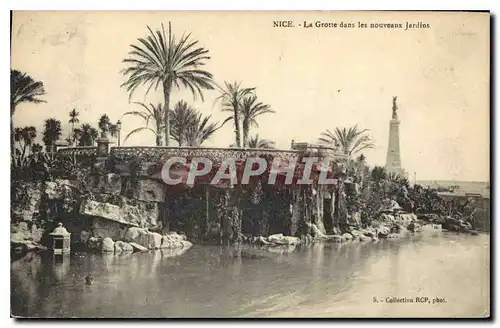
232, 96
22, 89
51, 133
260, 143
250, 110
161, 60
351, 141
151, 112
73, 119
27, 136
86, 135
182, 117
200, 130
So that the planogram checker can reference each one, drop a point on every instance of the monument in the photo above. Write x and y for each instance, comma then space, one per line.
393, 161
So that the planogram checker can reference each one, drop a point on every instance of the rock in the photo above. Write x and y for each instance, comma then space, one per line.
175, 241
356, 233
369, 233
108, 245
103, 210
121, 246
346, 236
149, 190
364, 238
393, 236
279, 239
414, 227
474, 232
383, 232
431, 228
155, 240
94, 244
110, 183
138, 247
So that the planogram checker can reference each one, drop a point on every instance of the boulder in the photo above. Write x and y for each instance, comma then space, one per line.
393, 236
94, 244
414, 227
346, 236
279, 239
108, 245
174, 241
151, 240
121, 246
383, 232
364, 238
138, 247
155, 240
369, 233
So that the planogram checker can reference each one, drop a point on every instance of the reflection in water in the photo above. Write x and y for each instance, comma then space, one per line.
209, 281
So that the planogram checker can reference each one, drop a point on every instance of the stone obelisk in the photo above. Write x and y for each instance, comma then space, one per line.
393, 161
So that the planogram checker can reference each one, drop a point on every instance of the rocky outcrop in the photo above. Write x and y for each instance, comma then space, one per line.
140, 214
108, 245
276, 240
21, 239
149, 191
94, 244
110, 183
121, 246
153, 240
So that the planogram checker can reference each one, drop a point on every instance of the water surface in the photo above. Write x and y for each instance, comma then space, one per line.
326, 280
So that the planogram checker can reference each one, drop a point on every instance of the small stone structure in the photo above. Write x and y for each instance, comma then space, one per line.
61, 240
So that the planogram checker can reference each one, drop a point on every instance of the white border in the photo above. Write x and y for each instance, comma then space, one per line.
185, 5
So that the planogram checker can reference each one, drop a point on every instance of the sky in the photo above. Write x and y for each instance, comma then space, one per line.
314, 78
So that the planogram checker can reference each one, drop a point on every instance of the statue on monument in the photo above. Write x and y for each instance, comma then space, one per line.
394, 108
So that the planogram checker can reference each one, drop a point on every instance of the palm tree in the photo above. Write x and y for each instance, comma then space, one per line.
22, 89
36, 148
182, 117
51, 133
260, 143
73, 119
232, 101
28, 136
86, 135
379, 173
158, 60
151, 112
250, 110
200, 130
351, 141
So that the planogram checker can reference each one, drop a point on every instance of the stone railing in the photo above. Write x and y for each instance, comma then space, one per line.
78, 151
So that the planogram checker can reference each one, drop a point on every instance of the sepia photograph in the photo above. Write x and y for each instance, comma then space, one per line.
250, 164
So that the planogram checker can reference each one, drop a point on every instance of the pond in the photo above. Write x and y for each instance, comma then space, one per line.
388, 278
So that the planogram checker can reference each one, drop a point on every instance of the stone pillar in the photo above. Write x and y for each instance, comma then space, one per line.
103, 147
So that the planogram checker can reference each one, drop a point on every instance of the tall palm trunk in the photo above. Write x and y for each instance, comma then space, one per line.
72, 131
246, 128
237, 124
167, 87
158, 134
